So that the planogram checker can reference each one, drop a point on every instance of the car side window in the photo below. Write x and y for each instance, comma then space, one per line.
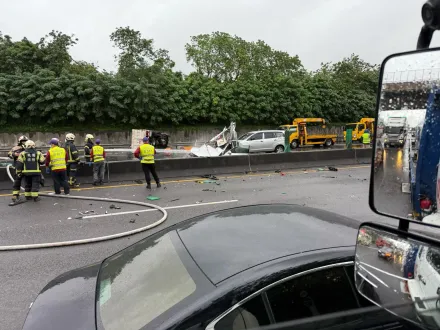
251, 314
317, 293
279, 134
269, 135
256, 136
361, 126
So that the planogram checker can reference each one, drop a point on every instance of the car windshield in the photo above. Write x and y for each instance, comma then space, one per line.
393, 130
138, 284
245, 136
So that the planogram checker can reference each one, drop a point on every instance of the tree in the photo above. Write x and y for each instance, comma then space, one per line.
137, 53
51, 52
227, 58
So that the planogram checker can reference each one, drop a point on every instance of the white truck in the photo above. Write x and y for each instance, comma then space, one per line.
394, 132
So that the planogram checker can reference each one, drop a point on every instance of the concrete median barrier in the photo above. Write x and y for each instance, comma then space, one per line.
172, 168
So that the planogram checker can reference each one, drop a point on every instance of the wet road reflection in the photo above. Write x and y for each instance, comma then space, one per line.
390, 181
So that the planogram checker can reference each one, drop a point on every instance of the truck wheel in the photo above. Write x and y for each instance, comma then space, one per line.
279, 149
294, 144
328, 143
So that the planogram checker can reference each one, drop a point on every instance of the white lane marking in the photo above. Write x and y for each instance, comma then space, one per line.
377, 278
153, 210
366, 279
382, 271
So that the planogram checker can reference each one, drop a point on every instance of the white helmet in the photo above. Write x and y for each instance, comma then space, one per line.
89, 137
22, 139
70, 137
29, 144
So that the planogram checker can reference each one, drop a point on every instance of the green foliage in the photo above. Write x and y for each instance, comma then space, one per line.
248, 82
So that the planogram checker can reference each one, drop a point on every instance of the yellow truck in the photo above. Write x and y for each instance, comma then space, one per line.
359, 128
302, 135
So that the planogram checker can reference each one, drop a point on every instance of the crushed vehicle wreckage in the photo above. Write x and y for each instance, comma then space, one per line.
223, 144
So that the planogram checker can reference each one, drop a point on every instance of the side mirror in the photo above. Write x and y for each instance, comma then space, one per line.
400, 272
405, 181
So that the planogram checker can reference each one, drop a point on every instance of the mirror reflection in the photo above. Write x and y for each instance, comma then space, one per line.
407, 139
399, 274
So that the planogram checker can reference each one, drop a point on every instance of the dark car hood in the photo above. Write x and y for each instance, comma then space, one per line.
67, 302
227, 242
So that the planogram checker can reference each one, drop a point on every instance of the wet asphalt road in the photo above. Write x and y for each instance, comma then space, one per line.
388, 195
24, 273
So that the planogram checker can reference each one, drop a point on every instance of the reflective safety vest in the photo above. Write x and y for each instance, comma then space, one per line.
146, 151
31, 161
57, 158
98, 154
366, 138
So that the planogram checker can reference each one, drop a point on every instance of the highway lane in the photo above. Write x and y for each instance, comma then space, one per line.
389, 197
24, 273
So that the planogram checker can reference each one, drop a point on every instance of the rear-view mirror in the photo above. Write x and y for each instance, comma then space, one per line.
399, 272
405, 173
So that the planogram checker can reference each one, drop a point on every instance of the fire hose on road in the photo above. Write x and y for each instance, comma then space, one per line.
93, 239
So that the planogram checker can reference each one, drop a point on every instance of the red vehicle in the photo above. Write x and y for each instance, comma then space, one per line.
380, 242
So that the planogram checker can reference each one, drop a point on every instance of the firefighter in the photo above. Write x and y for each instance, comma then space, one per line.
28, 166
72, 160
56, 162
14, 154
97, 155
146, 153
88, 147
366, 138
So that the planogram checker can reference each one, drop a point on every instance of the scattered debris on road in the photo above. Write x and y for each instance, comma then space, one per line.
153, 198
113, 206
55, 204
132, 220
78, 218
320, 169
175, 200
209, 190
138, 181
86, 212
278, 171
69, 218
209, 176
334, 169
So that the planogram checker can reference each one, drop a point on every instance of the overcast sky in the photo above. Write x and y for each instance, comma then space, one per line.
315, 30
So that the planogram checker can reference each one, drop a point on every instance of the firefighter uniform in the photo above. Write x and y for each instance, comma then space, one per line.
72, 162
28, 165
14, 153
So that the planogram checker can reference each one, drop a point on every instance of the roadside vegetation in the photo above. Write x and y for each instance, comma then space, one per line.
43, 88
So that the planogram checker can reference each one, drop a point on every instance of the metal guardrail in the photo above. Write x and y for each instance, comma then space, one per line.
412, 76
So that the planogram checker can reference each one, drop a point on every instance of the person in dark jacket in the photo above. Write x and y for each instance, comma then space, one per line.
14, 153
72, 160
88, 148
28, 166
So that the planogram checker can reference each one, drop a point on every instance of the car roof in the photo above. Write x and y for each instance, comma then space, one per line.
228, 242
266, 130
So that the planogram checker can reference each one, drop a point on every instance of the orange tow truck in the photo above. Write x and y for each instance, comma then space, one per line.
302, 135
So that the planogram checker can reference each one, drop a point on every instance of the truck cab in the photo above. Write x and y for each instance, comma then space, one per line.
395, 132
359, 128
303, 135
